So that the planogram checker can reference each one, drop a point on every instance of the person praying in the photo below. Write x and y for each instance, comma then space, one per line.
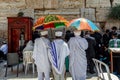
40, 55
59, 51
77, 57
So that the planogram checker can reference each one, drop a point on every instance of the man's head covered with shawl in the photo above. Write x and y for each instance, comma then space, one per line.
58, 34
44, 33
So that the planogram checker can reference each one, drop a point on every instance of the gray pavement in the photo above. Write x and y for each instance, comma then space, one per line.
30, 75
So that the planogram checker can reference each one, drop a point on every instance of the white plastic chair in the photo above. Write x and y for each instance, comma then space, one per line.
101, 68
27, 60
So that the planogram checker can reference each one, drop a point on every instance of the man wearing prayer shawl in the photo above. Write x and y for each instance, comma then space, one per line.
40, 55
29, 46
59, 51
77, 57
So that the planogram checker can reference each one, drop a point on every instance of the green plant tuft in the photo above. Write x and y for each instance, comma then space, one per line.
114, 12
50, 18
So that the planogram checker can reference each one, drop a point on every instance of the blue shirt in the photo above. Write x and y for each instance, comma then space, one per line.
4, 48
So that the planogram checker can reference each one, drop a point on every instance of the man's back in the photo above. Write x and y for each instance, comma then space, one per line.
91, 47
40, 54
60, 51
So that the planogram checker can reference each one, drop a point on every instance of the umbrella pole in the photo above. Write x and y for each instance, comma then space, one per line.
64, 33
51, 35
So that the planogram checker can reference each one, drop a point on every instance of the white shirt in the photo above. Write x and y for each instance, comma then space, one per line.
4, 48
29, 46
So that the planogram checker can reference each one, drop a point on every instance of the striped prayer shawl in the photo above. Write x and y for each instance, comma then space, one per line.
54, 55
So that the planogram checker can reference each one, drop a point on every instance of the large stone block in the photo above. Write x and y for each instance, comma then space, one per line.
12, 4
98, 3
37, 4
9, 13
3, 30
71, 3
58, 12
101, 14
71, 11
29, 12
41, 4
88, 13
4, 34
10, 1
70, 17
110, 23
69, 14
3, 20
53, 4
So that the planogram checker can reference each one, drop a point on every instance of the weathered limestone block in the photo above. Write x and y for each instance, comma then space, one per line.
37, 4
3, 30
3, 23
67, 13
3, 26
9, 13
58, 12
101, 14
70, 17
28, 12
53, 4
104, 3
12, 4
88, 13
97, 3
3, 20
71, 3
10, 1
4, 34
71, 11
40, 4
46, 12
38, 13
110, 23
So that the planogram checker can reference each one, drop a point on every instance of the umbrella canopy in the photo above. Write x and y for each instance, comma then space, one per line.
50, 21
83, 24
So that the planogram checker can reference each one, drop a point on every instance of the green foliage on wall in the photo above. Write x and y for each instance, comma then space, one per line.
114, 12
50, 18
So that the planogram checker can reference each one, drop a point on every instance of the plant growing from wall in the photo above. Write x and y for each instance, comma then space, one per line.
114, 12
20, 14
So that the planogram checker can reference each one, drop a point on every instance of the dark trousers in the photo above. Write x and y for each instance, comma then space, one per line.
116, 63
90, 64
2, 55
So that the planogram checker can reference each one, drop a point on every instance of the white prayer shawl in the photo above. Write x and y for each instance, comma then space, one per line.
40, 54
78, 61
29, 46
59, 51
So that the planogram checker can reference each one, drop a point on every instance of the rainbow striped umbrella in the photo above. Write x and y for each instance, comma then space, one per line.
50, 21
83, 24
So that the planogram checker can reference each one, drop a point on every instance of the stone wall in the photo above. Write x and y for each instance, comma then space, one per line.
95, 10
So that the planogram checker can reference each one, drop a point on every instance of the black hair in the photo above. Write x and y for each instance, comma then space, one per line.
68, 31
114, 34
107, 31
114, 28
